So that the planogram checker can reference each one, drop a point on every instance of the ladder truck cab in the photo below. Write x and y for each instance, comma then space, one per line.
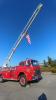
26, 71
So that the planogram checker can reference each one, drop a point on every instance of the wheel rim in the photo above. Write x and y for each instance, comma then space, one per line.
22, 81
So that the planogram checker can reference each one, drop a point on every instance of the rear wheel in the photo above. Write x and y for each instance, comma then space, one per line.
23, 80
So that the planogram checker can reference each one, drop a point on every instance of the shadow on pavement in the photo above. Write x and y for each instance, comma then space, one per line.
35, 81
42, 97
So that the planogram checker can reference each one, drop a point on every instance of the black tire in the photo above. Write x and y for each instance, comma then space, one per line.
1, 79
23, 80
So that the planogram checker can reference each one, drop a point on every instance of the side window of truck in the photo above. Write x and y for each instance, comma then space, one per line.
27, 63
21, 64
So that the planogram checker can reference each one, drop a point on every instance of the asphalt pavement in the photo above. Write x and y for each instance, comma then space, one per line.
45, 89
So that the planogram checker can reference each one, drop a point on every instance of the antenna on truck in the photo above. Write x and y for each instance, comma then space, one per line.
23, 34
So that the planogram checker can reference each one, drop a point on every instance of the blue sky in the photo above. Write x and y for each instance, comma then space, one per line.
14, 15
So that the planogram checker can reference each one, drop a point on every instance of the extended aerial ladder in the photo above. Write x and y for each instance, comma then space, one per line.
23, 34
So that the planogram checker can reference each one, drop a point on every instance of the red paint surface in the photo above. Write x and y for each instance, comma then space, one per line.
14, 72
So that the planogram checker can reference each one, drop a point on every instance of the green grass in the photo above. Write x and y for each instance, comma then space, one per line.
45, 69
48, 69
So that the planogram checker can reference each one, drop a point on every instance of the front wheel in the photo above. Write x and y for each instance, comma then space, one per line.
23, 80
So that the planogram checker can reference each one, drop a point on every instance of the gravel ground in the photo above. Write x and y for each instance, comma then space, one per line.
43, 90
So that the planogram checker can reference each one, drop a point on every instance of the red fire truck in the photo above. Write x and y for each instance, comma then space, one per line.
27, 70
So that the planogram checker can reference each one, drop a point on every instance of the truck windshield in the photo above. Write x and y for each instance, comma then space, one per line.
34, 63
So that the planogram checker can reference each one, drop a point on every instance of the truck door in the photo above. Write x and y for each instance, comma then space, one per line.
13, 73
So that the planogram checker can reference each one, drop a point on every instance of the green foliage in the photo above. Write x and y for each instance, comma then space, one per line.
49, 66
48, 69
45, 69
53, 70
50, 62
45, 64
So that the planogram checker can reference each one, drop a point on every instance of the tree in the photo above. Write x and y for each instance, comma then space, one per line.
45, 64
49, 60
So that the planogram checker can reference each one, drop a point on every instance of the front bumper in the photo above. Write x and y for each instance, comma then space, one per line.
36, 77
